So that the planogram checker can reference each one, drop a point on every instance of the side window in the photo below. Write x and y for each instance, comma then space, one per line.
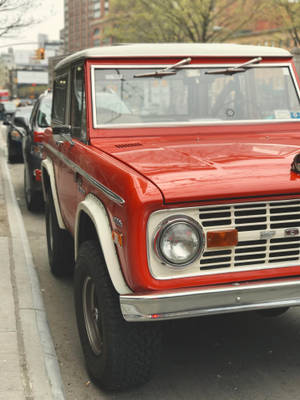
44, 113
78, 109
60, 99
33, 114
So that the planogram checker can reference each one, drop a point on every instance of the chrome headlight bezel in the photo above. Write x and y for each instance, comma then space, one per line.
165, 225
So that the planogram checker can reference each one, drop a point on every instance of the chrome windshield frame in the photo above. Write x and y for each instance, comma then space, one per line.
184, 123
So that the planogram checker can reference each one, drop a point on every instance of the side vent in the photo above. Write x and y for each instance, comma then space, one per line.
125, 145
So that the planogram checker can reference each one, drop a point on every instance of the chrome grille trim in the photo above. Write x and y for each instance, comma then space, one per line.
250, 220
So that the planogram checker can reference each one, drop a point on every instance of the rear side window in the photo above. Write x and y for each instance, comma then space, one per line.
60, 99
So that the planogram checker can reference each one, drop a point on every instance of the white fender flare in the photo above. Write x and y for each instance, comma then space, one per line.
47, 164
94, 208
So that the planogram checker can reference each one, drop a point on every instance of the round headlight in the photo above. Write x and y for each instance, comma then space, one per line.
179, 241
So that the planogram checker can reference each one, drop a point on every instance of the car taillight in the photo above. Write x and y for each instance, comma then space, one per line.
37, 174
38, 136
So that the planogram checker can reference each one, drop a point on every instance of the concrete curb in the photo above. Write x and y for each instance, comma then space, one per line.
41, 370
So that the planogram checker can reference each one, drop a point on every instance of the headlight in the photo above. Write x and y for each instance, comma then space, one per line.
179, 241
16, 135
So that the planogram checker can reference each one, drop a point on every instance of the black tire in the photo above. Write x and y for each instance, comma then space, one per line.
119, 355
272, 312
13, 155
59, 242
33, 199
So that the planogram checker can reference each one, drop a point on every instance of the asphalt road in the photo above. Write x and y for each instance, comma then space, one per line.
230, 357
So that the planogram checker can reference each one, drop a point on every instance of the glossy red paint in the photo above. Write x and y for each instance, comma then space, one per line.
240, 164
177, 167
224, 167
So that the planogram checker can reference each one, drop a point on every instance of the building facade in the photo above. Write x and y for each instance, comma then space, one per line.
84, 23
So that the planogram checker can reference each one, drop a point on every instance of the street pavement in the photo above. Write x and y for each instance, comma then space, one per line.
28, 363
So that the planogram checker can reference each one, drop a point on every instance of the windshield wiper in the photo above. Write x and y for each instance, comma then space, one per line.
233, 70
166, 71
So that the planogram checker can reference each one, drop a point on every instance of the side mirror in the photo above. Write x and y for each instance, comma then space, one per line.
20, 121
62, 130
5, 122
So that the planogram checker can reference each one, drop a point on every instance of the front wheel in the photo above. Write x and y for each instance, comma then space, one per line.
59, 243
119, 354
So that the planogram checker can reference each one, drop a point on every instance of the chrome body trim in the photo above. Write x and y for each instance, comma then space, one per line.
105, 190
208, 300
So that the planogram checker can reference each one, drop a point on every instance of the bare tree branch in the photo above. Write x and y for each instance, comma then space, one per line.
14, 15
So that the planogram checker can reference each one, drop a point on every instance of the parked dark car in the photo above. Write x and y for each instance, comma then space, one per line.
32, 151
7, 110
17, 127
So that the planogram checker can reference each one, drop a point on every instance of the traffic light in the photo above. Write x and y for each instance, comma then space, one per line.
40, 53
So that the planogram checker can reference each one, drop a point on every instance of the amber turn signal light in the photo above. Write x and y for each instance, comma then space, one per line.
222, 238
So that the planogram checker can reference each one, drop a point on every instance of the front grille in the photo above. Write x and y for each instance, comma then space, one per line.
252, 220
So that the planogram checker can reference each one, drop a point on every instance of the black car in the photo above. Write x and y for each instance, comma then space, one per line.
32, 151
17, 127
7, 110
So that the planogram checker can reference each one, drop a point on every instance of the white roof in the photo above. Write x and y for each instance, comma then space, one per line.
175, 50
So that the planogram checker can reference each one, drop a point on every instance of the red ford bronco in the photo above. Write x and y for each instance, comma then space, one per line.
172, 185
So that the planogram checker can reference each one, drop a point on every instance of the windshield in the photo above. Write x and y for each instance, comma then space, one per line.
193, 95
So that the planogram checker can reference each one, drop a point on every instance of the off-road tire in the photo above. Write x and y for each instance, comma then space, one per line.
33, 199
59, 242
118, 354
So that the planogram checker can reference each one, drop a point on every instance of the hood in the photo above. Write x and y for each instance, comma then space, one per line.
196, 168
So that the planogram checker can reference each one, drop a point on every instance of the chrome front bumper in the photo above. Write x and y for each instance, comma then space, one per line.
207, 300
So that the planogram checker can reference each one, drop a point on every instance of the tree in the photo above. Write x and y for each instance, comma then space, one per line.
179, 20
13, 15
287, 18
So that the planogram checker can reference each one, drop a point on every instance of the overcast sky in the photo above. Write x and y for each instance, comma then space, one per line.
51, 15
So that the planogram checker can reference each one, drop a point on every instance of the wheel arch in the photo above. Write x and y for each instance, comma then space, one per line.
48, 183
92, 222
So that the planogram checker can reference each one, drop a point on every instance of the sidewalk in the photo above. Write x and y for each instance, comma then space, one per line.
28, 365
